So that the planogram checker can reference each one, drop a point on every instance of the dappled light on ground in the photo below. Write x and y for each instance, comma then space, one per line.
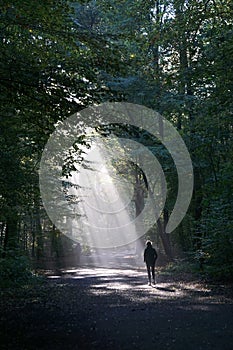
132, 284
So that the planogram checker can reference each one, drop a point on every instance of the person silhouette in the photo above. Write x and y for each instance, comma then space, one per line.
150, 257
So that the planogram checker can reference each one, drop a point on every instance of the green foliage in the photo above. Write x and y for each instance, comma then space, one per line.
50, 68
15, 270
172, 56
217, 239
181, 266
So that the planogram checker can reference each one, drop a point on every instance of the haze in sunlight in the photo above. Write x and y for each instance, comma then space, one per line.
105, 207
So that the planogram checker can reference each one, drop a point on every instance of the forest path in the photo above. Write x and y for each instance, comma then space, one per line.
100, 308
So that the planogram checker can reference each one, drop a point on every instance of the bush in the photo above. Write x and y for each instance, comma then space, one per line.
15, 270
217, 238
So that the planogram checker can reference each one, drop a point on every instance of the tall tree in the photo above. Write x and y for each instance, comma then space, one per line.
50, 67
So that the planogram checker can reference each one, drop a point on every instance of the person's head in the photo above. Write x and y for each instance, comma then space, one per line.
148, 243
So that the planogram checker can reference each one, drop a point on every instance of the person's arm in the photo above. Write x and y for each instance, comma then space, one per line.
145, 255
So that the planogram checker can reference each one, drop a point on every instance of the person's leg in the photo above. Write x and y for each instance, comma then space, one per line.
153, 272
148, 272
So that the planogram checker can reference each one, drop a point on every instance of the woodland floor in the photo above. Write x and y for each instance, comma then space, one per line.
100, 308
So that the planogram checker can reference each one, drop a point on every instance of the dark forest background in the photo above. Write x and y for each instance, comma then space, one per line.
173, 56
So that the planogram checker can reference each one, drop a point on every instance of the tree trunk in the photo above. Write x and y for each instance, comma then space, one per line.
39, 236
165, 238
11, 233
139, 206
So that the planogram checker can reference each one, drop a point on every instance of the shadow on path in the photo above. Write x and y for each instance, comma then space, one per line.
172, 290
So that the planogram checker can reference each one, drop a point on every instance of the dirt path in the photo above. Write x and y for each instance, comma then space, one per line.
115, 309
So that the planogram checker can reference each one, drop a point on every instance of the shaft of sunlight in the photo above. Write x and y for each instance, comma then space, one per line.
105, 210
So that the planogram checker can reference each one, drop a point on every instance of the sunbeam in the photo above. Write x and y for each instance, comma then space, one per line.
105, 211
